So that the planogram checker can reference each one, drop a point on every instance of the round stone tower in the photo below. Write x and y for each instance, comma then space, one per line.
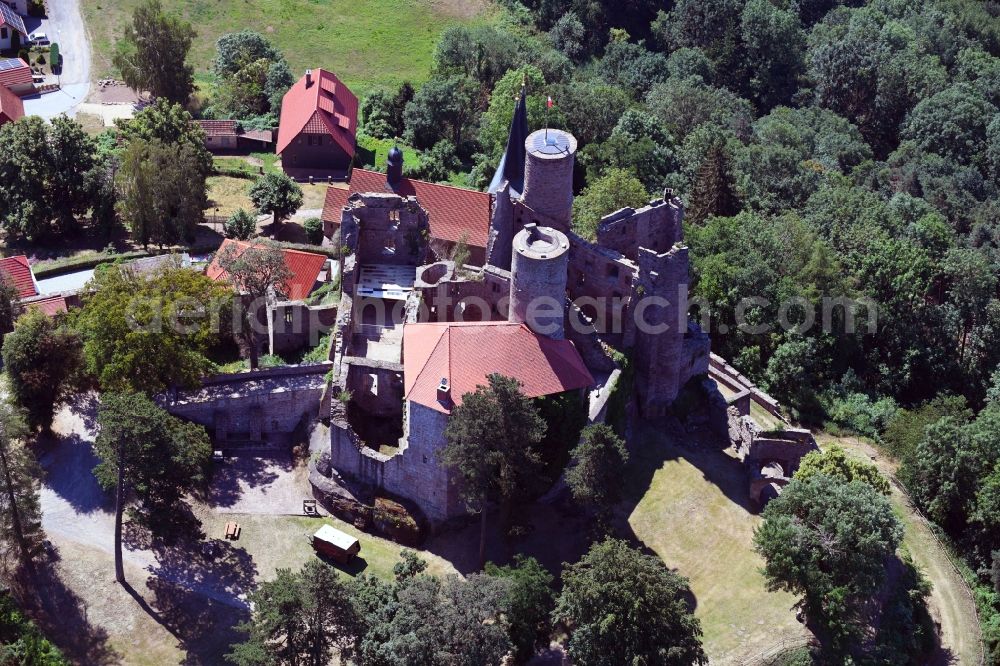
548, 175
538, 280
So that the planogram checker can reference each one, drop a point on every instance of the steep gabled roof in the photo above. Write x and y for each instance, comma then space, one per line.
466, 353
11, 107
14, 72
305, 268
9, 18
453, 211
325, 106
18, 271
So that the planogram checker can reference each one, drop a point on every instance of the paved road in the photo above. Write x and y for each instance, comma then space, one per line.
65, 26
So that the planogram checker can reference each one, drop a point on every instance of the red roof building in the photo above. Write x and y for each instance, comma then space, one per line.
464, 354
11, 25
227, 135
50, 305
18, 271
11, 108
454, 212
305, 268
15, 75
319, 120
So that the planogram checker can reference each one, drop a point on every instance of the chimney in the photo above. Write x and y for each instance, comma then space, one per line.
309, 77
394, 167
444, 392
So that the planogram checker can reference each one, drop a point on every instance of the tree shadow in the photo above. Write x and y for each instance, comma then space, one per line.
199, 593
225, 488
68, 463
62, 616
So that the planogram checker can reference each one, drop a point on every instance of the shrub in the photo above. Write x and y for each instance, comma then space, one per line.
241, 225
314, 230
54, 57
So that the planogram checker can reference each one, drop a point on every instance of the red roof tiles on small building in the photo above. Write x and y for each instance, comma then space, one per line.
232, 129
324, 105
18, 271
14, 72
11, 107
466, 353
305, 268
454, 212
50, 305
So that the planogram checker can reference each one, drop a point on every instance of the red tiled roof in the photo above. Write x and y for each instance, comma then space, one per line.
454, 212
218, 127
18, 270
465, 353
304, 266
15, 74
50, 305
326, 106
11, 107
231, 128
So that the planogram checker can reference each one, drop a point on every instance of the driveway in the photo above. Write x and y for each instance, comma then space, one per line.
64, 25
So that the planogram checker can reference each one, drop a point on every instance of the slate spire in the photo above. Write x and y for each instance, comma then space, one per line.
511, 167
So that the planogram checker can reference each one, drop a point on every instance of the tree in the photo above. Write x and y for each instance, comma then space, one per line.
251, 75
313, 227
276, 194
828, 542
10, 306
258, 272
43, 170
527, 605
614, 190
441, 109
150, 333
568, 35
491, 446
299, 619
161, 191
42, 360
951, 123
241, 225
713, 192
775, 46
625, 607
170, 124
20, 511
598, 467
147, 456
152, 51
835, 463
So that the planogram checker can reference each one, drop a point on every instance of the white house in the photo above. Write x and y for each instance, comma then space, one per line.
12, 30
19, 6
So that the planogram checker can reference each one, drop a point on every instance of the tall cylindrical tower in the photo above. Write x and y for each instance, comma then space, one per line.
538, 280
548, 175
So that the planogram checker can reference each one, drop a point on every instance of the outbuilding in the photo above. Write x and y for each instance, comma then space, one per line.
333, 543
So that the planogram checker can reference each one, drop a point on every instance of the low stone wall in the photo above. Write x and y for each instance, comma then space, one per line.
263, 407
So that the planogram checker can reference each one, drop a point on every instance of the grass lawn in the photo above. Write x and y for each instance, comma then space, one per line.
282, 541
693, 514
368, 43
228, 194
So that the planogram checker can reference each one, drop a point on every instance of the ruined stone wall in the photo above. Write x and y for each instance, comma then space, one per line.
660, 324
376, 387
413, 473
295, 325
600, 281
656, 227
260, 406
382, 228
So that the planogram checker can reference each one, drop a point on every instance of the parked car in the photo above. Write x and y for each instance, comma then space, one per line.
39, 39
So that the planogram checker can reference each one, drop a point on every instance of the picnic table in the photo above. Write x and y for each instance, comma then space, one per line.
233, 531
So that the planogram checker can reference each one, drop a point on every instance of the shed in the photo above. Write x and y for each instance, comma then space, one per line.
331, 542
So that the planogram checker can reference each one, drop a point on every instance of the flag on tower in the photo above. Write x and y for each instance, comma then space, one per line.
549, 104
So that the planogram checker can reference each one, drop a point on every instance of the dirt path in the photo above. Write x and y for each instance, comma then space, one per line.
950, 604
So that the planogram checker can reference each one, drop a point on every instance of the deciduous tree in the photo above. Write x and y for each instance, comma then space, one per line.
276, 194
491, 446
152, 52
42, 360
625, 607
597, 469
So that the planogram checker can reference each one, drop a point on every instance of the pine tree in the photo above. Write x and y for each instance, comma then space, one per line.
713, 193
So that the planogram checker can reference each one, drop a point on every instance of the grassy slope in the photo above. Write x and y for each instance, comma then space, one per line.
693, 515
368, 43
